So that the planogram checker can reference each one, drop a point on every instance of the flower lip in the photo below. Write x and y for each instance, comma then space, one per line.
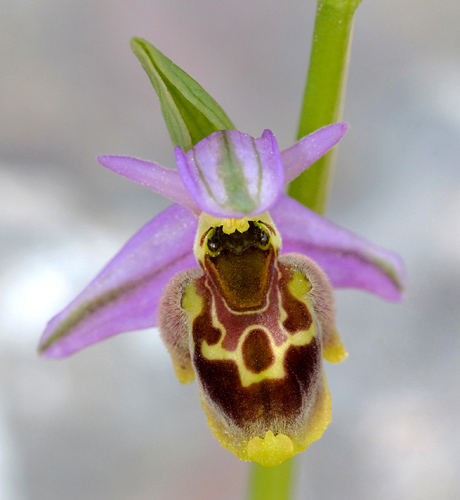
231, 174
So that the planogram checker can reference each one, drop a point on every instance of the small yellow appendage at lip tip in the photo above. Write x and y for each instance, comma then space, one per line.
271, 450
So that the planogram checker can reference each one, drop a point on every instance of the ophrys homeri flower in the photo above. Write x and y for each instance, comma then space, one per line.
238, 277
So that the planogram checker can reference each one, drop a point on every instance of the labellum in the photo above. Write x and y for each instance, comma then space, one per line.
251, 326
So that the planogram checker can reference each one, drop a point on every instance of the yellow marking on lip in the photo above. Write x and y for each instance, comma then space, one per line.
192, 303
299, 287
274, 371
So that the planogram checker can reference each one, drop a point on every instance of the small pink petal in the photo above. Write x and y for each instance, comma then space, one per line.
305, 152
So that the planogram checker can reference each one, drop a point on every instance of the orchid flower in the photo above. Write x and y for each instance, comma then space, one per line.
238, 277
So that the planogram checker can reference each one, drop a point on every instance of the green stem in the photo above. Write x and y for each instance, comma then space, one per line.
272, 483
324, 93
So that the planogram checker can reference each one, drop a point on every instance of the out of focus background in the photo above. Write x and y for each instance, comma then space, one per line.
112, 422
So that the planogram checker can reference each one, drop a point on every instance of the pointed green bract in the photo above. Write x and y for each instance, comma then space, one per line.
190, 113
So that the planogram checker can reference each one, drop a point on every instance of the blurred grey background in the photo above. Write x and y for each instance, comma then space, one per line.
112, 422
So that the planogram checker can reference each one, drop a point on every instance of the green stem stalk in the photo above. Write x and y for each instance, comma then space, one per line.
272, 483
324, 93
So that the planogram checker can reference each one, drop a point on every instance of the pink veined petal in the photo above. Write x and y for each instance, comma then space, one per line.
305, 152
231, 174
160, 179
349, 260
125, 295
